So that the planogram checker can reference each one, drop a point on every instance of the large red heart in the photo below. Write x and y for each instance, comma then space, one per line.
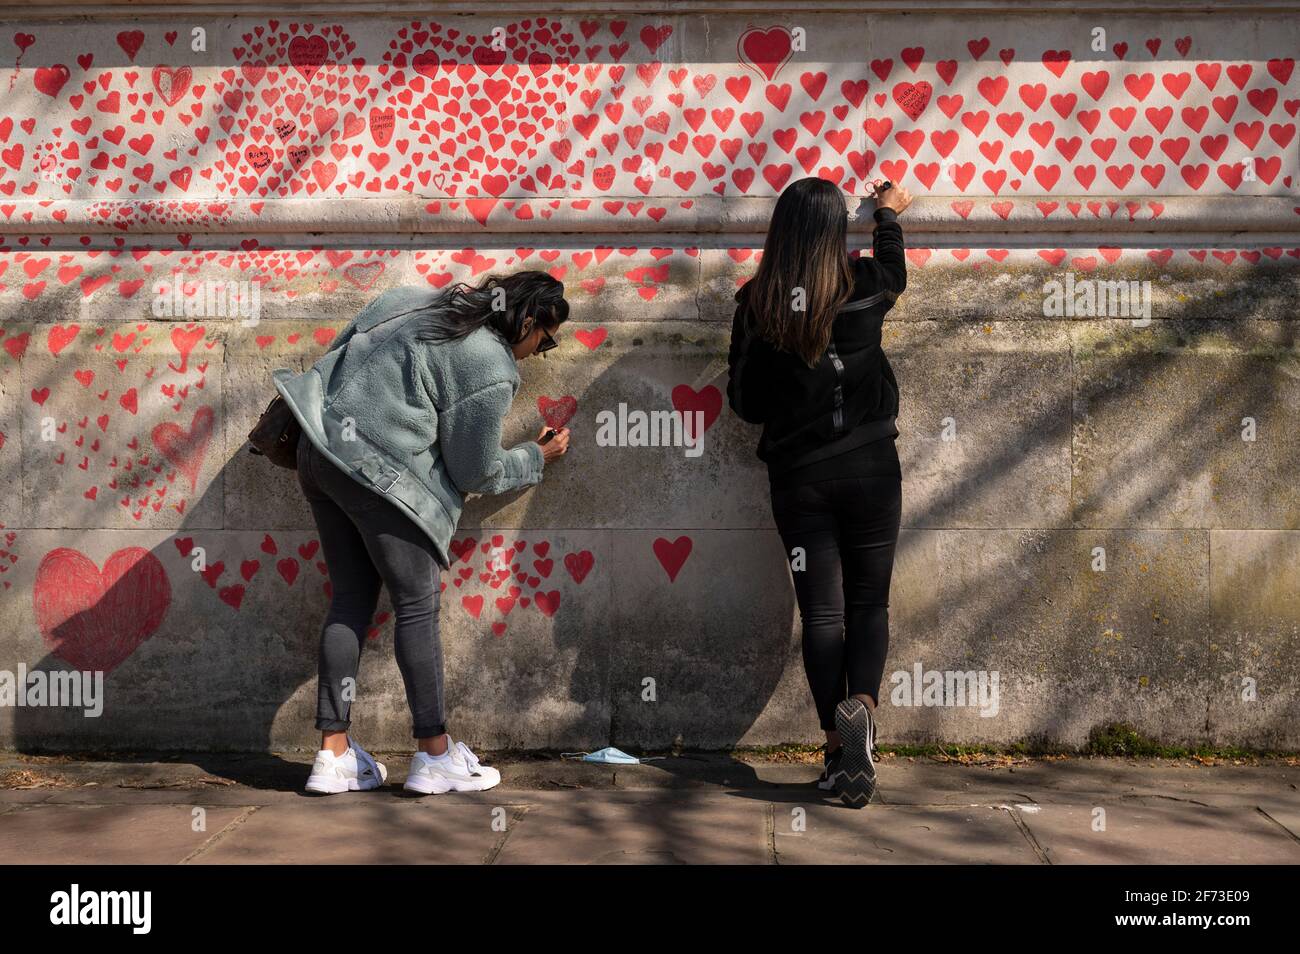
765, 50
94, 620
308, 54
186, 449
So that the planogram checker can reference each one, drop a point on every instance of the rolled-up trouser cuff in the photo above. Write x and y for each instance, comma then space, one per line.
429, 731
333, 725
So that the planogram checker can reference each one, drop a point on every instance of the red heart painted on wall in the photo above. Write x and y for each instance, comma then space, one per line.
50, 79
592, 339
171, 84
186, 449
912, 98
557, 413
765, 51
579, 564
363, 274
672, 554
548, 603
95, 620
308, 54
686, 401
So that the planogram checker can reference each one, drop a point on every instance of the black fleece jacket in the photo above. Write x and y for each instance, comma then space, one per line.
850, 396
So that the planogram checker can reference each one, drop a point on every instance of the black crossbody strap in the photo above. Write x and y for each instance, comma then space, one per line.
864, 303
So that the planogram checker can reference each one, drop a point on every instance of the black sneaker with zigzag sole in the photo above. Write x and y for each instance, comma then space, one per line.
856, 782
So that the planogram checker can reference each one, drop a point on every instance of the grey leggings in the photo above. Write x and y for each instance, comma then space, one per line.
368, 542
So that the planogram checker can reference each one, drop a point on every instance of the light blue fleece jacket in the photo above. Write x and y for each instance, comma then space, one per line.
417, 421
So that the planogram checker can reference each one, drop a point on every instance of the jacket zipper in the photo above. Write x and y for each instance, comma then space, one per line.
837, 413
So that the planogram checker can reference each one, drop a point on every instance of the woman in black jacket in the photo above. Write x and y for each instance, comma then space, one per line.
806, 363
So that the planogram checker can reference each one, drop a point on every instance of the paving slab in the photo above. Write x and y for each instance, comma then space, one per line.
1158, 831
644, 828
903, 835
366, 828
1284, 814
922, 781
106, 834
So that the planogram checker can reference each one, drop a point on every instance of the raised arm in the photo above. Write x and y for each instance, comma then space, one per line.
888, 252
889, 259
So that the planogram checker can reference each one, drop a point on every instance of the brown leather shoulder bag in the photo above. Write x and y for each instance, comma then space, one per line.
276, 435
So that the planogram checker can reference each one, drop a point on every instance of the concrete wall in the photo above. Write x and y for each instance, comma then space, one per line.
332, 154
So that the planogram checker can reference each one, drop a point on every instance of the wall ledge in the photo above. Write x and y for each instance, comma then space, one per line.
662, 8
613, 215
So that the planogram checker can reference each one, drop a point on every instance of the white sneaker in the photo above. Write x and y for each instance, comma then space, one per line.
354, 771
456, 770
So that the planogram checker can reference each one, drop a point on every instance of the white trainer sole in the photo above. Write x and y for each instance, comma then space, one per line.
337, 786
441, 785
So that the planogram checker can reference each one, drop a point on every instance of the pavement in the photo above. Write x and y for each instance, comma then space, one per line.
688, 809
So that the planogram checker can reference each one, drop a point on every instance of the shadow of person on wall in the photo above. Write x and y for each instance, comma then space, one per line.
221, 667
196, 663
209, 637
693, 637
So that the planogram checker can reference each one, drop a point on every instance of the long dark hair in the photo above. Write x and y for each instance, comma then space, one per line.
806, 248
502, 302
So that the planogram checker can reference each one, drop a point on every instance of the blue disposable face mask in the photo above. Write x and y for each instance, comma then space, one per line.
606, 756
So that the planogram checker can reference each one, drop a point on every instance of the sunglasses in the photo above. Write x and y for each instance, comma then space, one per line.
547, 343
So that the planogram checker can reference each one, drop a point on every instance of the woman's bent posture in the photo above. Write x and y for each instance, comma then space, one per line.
400, 419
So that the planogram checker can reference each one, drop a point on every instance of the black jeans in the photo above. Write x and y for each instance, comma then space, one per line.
847, 529
368, 542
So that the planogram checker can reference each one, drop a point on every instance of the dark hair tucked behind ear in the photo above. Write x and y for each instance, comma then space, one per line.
503, 303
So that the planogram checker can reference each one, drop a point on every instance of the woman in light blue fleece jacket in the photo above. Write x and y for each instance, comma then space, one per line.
400, 419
